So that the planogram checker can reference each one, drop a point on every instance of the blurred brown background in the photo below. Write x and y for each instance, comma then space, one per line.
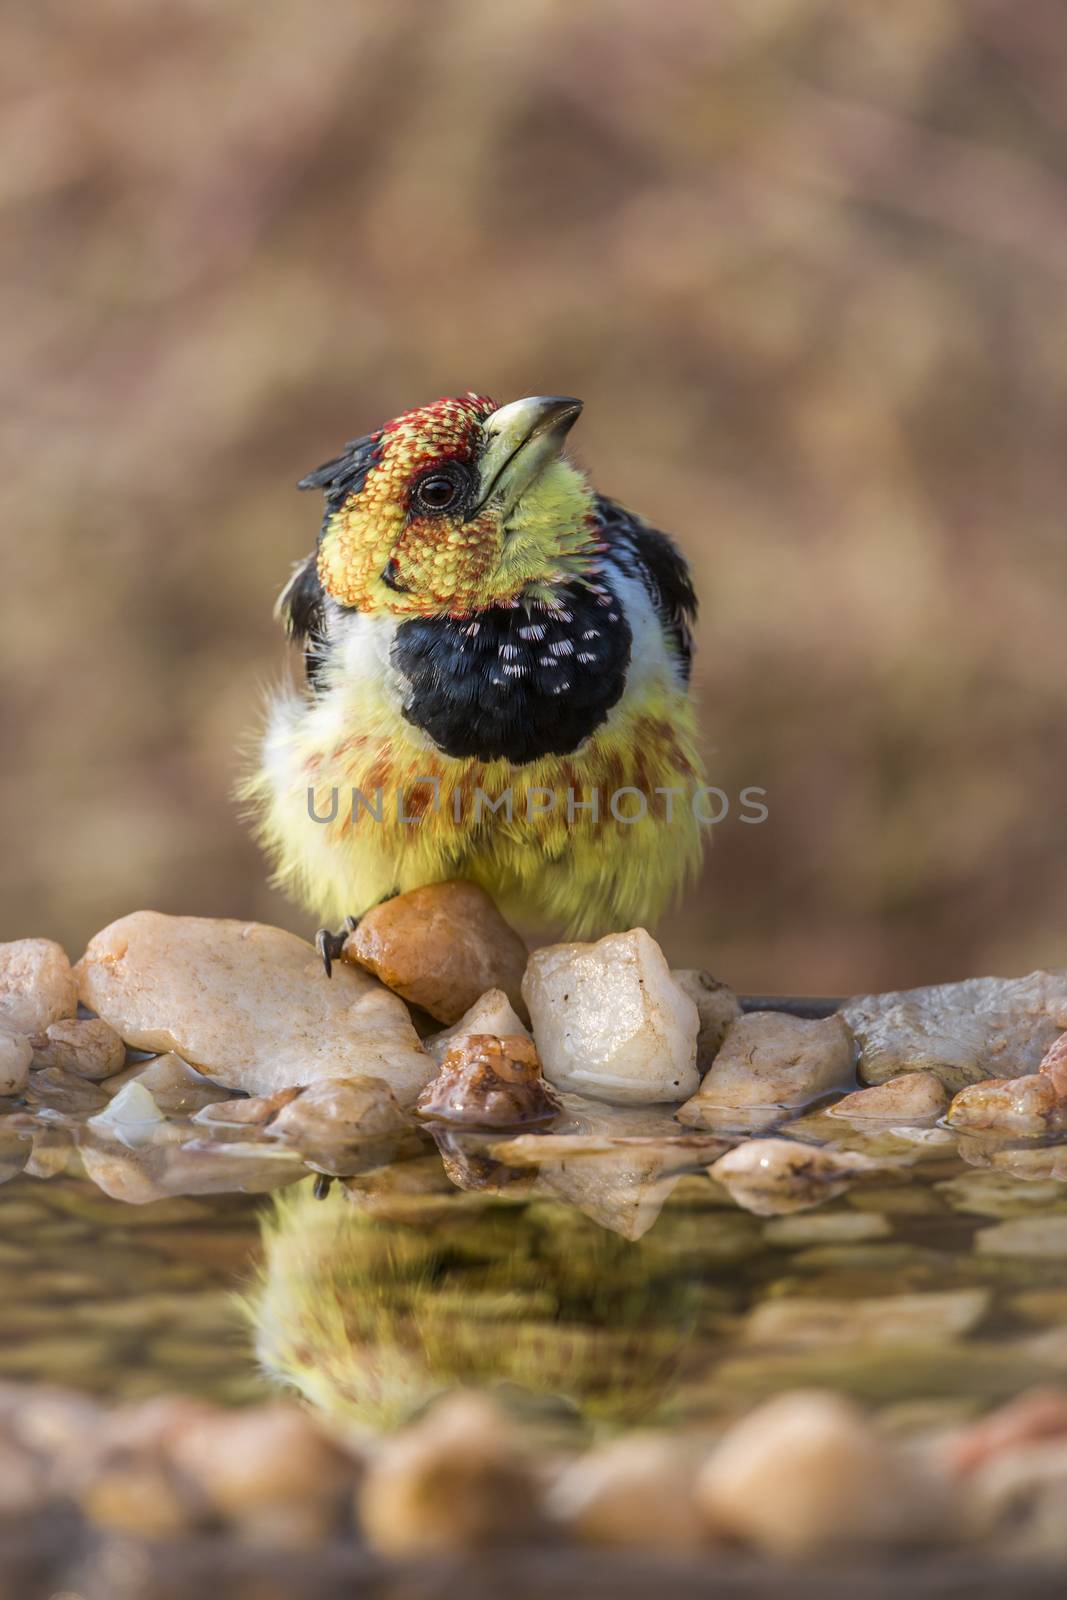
806, 262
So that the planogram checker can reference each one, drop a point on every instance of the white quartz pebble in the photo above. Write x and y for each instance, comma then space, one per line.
611, 1022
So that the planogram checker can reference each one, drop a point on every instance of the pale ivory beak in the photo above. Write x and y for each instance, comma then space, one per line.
520, 440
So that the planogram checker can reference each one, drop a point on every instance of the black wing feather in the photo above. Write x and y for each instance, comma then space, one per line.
653, 557
302, 604
302, 607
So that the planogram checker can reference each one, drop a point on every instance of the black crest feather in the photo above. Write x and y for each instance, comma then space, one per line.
345, 474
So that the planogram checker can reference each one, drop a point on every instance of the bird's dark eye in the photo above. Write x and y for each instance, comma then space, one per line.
440, 489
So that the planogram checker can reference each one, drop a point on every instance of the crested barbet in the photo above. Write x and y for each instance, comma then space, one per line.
497, 664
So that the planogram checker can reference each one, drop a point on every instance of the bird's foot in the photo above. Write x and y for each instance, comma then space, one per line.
322, 1186
330, 944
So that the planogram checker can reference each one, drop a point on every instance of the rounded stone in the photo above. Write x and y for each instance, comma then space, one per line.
440, 947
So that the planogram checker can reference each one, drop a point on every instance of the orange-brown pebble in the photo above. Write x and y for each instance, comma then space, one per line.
486, 1081
440, 948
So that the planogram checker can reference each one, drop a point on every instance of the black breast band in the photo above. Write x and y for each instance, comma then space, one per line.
517, 682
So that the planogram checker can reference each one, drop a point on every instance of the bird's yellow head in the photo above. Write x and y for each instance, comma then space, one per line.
454, 507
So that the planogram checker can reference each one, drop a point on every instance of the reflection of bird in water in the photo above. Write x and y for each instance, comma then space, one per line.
478, 623
370, 1310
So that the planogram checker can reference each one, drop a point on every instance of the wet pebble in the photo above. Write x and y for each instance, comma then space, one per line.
1028, 1163
139, 1160
255, 1111
440, 947
339, 1110
86, 1046
1028, 1105
1000, 1194
768, 1061
134, 1117
911, 1097
52, 1151
489, 1082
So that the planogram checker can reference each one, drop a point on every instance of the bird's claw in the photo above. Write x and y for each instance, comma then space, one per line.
329, 945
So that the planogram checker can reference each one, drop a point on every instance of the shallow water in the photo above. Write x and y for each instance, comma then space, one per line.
932, 1288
